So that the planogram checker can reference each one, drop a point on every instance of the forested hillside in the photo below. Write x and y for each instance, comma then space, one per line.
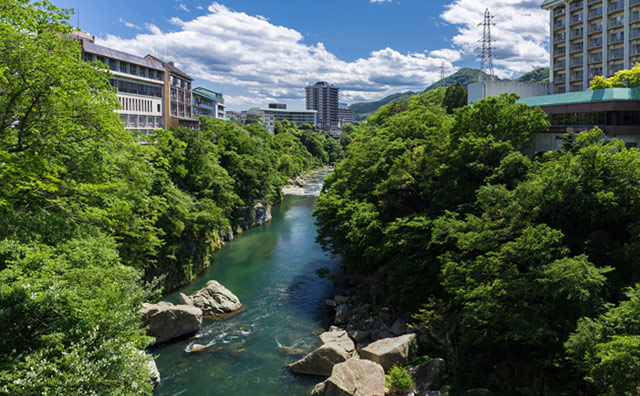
520, 272
94, 221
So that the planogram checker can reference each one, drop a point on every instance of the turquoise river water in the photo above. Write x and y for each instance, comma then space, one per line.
272, 271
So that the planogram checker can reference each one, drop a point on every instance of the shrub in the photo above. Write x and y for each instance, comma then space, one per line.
398, 380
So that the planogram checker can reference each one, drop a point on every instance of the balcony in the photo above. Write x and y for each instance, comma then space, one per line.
560, 65
615, 23
577, 33
559, 38
595, 29
575, 5
576, 76
558, 11
635, 17
618, 5
634, 2
596, 13
616, 39
559, 24
560, 51
635, 34
576, 62
576, 19
595, 58
577, 48
594, 1
616, 54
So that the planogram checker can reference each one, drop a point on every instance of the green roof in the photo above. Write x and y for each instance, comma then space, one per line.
288, 111
207, 93
550, 3
599, 95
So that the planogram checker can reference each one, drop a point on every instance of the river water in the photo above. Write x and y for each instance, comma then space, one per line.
272, 271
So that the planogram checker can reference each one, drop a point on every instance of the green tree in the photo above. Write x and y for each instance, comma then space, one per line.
455, 97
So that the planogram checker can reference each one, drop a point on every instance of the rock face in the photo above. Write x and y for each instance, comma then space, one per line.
390, 351
355, 377
261, 214
336, 348
342, 314
155, 374
428, 376
167, 321
214, 299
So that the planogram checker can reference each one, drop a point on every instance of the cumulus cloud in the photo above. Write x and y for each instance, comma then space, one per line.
520, 33
129, 24
272, 62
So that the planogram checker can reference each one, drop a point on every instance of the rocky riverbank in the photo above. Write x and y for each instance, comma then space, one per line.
296, 186
363, 344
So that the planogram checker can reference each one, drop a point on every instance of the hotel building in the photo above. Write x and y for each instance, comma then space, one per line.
281, 113
323, 98
140, 84
207, 103
178, 97
591, 38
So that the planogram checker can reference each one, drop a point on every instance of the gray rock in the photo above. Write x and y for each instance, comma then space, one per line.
166, 321
381, 335
359, 336
339, 337
261, 214
390, 351
318, 390
355, 377
428, 376
330, 303
479, 392
214, 299
155, 374
321, 361
341, 300
399, 327
337, 347
342, 314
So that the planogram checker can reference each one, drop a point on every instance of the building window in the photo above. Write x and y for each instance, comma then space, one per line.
151, 73
123, 67
143, 72
133, 69
112, 64
88, 57
158, 108
101, 59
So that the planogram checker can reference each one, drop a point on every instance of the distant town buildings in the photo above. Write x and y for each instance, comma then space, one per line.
345, 116
281, 113
207, 103
323, 97
253, 116
140, 84
591, 38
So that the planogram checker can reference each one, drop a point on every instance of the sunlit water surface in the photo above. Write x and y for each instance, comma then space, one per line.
272, 270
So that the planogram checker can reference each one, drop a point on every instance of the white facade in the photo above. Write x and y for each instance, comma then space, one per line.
484, 89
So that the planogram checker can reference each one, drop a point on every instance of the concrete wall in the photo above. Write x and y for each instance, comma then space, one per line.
484, 89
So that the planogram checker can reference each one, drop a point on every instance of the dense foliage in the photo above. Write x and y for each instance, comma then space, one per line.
627, 78
518, 268
90, 215
540, 75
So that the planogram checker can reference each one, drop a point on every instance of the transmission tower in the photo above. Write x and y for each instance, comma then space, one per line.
442, 71
486, 50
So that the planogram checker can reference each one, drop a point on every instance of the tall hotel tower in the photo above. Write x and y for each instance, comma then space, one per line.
323, 97
591, 38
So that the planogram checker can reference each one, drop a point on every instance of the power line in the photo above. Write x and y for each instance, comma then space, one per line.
486, 55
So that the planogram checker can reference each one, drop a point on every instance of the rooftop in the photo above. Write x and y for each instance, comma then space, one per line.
288, 111
207, 93
170, 67
119, 55
551, 3
596, 96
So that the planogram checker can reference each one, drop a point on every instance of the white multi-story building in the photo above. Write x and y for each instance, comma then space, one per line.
591, 38
140, 84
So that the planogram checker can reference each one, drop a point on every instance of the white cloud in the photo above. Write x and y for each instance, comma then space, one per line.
379, 1
520, 33
272, 62
129, 24
184, 7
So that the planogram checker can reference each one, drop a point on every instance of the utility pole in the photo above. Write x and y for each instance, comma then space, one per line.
486, 50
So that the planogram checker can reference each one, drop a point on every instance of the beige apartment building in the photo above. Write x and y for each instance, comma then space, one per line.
591, 38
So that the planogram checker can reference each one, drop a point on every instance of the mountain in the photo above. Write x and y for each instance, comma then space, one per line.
366, 109
537, 75
464, 76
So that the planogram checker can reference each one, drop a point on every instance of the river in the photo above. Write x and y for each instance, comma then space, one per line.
272, 271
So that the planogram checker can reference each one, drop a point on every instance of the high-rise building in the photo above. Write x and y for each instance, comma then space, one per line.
323, 97
178, 97
139, 82
591, 38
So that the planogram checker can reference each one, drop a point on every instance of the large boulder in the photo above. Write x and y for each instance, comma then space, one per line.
214, 299
155, 374
342, 314
166, 321
336, 348
389, 352
261, 214
355, 377
429, 375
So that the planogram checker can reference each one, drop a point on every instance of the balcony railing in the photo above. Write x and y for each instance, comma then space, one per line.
616, 54
576, 77
576, 4
595, 59
577, 33
576, 62
596, 13
558, 25
559, 38
576, 19
595, 29
560, 65
616, 39
634, 2
615, 23
558, 11
577, 48
618, 5
594, 1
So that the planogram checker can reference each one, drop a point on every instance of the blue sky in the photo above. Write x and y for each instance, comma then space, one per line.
260, 51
